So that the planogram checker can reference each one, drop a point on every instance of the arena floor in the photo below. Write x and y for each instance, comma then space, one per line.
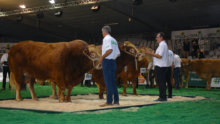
180, 112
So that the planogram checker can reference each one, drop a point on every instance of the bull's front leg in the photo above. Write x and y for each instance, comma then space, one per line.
68, 99
124, 83
186, 78
30, 83
55, 96
62, 97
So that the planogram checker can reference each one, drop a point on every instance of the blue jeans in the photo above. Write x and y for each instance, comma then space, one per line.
109, 68
23, 84
176, 76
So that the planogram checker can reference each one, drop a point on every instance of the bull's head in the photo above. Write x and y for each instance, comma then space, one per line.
144, 50
187, 64
94, 54
132, 50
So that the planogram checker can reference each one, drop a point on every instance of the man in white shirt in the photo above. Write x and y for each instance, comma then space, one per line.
177, 65
170, 72
110, 52
4, 62
161, 65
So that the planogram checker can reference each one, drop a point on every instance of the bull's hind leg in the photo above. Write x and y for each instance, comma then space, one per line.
134, 83
124, 82
18, 82
68, 99
30, 83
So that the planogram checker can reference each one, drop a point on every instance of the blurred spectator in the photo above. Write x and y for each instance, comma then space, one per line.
195, 46
4, 62
186, 47
177, 65
199, 54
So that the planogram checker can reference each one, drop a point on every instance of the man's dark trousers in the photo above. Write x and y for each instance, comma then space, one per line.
109, 68
168, 79
5, 71
160, 78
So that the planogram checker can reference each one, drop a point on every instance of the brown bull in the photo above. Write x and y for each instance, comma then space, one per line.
132, 74
206, 69
64, 63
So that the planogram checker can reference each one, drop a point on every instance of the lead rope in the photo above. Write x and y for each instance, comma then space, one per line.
93, 60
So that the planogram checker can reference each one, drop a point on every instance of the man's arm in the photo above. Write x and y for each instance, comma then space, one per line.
107, 53
153, 54
2, 59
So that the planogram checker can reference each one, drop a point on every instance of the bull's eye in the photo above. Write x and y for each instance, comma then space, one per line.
92, 55
131, 50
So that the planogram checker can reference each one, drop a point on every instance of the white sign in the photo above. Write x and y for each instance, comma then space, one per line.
143, 70
88, 76
197, 33
125, 68
215, 82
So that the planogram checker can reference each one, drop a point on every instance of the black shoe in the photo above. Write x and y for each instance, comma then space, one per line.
160, 100
169, 97
2, 89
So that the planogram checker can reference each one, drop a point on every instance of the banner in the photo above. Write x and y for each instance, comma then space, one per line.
141, 79
215, 82
196, 33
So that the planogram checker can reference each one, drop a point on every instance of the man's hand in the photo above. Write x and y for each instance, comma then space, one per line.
100, 60
119, 55
149, 52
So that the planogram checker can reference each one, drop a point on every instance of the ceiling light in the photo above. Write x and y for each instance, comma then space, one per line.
58, 14
52, 1
19, 18
23, 6
112, 24
95, 8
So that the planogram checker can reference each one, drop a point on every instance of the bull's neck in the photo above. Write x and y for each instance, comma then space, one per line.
125, 59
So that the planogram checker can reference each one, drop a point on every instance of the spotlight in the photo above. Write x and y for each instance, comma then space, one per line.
40, 15
58, 14
95, 8
52, 1
137, 2
23, 6
19, 18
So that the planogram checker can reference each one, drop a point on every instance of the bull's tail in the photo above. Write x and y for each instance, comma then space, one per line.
12, 81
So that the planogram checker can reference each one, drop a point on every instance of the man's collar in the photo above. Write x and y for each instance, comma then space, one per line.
161, 42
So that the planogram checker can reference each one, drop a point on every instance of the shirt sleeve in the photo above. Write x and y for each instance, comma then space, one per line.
107, 45
3, 58
160, 50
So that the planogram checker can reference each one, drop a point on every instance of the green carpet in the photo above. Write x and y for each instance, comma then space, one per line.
191, 112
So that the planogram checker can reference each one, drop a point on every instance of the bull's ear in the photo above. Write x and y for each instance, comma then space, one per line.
86, 51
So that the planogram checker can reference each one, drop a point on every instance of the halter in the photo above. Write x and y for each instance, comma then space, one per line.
93, 60
135, 56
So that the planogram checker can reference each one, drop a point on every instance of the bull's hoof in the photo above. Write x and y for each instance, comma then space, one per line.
54, 97
136, 94
101, 97
124, 94
19, 99
35, 99
62, 101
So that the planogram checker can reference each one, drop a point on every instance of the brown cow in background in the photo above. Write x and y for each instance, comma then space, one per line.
64, 63
206, 69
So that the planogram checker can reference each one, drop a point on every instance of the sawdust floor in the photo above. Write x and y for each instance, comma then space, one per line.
87, 102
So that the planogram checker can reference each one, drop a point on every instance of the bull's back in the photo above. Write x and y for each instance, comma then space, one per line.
208, 66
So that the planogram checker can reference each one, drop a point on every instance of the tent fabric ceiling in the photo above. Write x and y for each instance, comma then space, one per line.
181, 14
